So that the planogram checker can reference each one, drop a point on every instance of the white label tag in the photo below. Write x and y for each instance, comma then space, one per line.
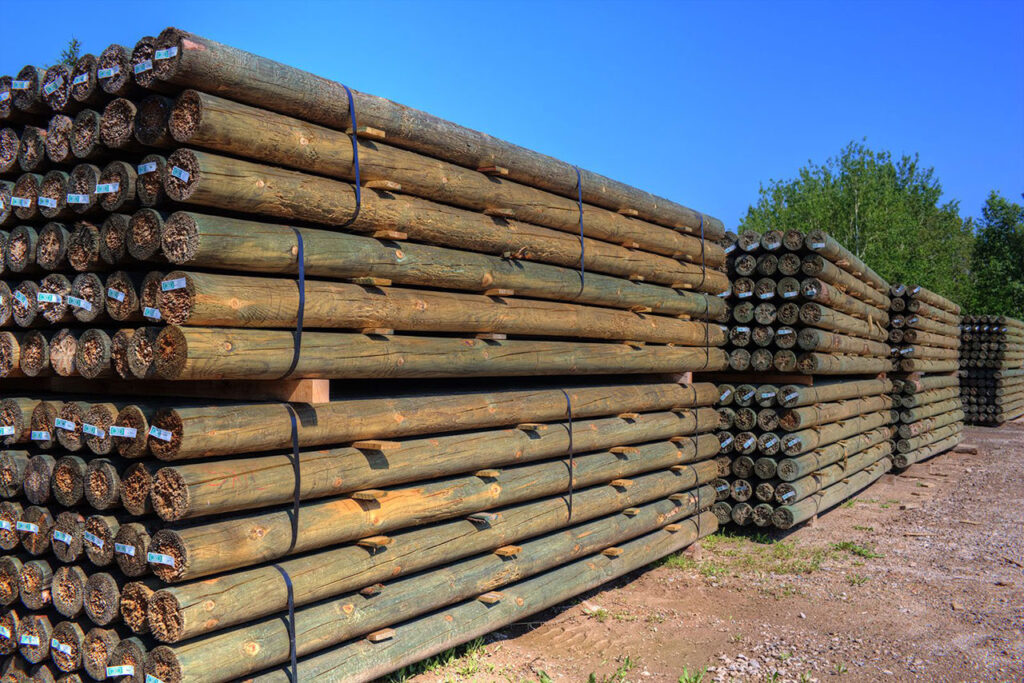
93, 429
5, 632
766, 295
124, 549
26, 639
115, 294
78, 199
725, 394
817, 245
180, 173
5, 95
123, 670
749, 442
66, 425
157, 558
788, 295
49, 298
143, 67
150, 678
23, 202
28, 527
791, 395
5, 525
792, 442
53, 85
127, 432
742, 329
60, 647
93, 538
108, 188
166, 54
728, 440
161, 434
79, 303
151, 313
47, 202
20, 85
109, 72
80, 79
788, 494
20, 298
171, 285
7, 430
40, 436
731, 248
143, 169
63, 537
771, 442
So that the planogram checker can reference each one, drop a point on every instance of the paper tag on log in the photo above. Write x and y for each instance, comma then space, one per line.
725, 395
791, 395
771, 441
143, 169
78, 199
93, 538
788, 295
115, 294
80, 79
53, 85
792, 442
108, 188
166, 53
731, 248
93, 429
5, 95
161, 434
40, 436
49, 298
60, 647
20, 85
171, 285
27, 527
27, 639
47, 202
5, 525
157, 558
6, 430
23, 202
788, 494
66, 425
79, 303
124, 549
749, 442
150, 678
109, 72
126, 432
5, 632
20, 298
742, 329
722, 487
143, 67
817, 245
63, 537
123, 670
151, 313
744, 295
728, 440
180, 173
766, 295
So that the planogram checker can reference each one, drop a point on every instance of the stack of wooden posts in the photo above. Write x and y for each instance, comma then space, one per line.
992, 369
803, 441
924, 329
155, 237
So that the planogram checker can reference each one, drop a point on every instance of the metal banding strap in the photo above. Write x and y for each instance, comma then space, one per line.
297, 332
572, 461
293, 656
355, 157
579, 201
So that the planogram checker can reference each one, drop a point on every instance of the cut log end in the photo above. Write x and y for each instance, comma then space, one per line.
176, 306
169, 421
134, 606
136, 489
144, 237
170, 352
98, 646
102, 598
130, 652
180, 239
68, 590
186, 116
171, 499
134, 541
152, 119
92, 357
63, 348
103, 484
132, 417
117, 125
181, 176
163, 664
164, 615
102, 529
166, 542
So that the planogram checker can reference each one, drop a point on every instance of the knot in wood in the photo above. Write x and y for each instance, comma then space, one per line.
252, 648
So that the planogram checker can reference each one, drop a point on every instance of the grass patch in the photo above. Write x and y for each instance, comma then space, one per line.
464, 660
696, 676
864, 528
856, 579
856, 549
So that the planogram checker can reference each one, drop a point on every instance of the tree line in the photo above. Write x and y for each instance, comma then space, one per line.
887, 211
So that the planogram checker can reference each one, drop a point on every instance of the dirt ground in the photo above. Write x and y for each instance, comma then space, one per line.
920, 578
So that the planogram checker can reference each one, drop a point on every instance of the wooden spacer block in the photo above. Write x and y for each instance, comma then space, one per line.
508, 551
681, 285
389, 235
483, 517
672, 528
375, 542
678, 468
372, 281
493, 170
630, 245
369, 494
499, 292
611, 552
487, 474
532, 427
679, 497
628, 416
640, 309
367, 132
490, 598
389, 185
381, 635
631, 512
370, 591
635, 344
379, 331
681, 439
628, 212
499, 212
621, 483
374, 445
636, 277
493, 336
625, 450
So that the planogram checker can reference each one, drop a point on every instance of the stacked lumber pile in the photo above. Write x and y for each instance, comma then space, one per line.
924, 329
992, 369
804, 431
160, 243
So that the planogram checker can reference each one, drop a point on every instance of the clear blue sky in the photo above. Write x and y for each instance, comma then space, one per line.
696, 101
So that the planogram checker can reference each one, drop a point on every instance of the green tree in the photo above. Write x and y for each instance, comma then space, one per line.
997, 261
885, 211
71, 53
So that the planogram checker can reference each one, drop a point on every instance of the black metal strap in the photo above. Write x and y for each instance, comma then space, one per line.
707, 301
579, 201
355, 156
297, 474
572, 455
297, 332
293, 655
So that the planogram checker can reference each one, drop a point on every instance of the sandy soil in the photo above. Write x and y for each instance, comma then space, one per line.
920, 578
